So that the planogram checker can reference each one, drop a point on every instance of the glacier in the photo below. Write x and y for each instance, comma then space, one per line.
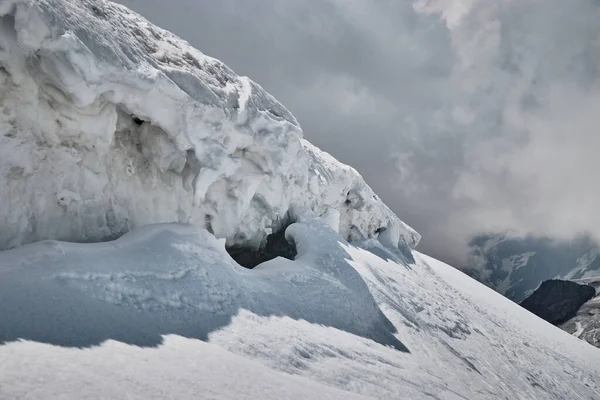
110, 123
129, 164
164, 312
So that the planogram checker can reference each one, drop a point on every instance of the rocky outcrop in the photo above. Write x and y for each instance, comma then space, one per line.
557, 301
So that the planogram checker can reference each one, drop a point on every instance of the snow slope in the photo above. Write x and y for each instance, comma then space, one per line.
179, 369
515, 267
362, 318
109, 123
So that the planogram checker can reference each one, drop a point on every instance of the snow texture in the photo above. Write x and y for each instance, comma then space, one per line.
586, 324
362, 318
179, 369
109, 123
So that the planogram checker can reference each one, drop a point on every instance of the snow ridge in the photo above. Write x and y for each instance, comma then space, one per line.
108, 123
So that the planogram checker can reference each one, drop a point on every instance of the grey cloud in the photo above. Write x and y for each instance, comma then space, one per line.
464, 115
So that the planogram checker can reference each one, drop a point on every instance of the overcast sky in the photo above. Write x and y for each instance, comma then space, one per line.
466, 116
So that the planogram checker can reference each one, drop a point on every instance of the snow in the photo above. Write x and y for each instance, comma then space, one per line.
108, 123
578, 329
584, 266
517, 261
509, 265
586, 323
362, 318
115, 370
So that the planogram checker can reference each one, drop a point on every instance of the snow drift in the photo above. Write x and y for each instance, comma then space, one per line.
109, 123
123, 318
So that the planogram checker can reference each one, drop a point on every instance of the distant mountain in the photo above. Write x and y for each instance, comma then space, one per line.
586, 323
110, 124
515, 267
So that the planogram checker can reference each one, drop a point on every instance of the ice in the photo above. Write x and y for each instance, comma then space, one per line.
160, 271
111, 127
109, 123
362, 317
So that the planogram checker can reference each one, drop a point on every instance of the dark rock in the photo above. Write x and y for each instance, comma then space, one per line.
557, 301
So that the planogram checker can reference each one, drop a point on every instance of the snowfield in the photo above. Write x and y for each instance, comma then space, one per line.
117, 371
111, 127
131, 317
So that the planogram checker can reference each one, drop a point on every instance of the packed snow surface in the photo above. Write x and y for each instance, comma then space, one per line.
165, 312
109, 123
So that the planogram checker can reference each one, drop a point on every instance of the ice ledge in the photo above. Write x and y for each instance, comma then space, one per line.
108, 122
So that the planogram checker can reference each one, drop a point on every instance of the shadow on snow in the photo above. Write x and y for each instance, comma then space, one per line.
174, 279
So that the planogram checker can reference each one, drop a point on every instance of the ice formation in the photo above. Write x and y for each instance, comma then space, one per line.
109, 123
123, 319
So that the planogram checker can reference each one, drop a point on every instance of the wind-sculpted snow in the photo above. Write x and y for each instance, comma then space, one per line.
167, 271
109, 123
365, 318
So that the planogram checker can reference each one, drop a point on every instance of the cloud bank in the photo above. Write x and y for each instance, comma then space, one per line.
466, 116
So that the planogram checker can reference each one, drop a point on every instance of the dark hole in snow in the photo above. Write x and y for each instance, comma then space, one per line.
137, 121
208, 223
275, 246
348, 201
